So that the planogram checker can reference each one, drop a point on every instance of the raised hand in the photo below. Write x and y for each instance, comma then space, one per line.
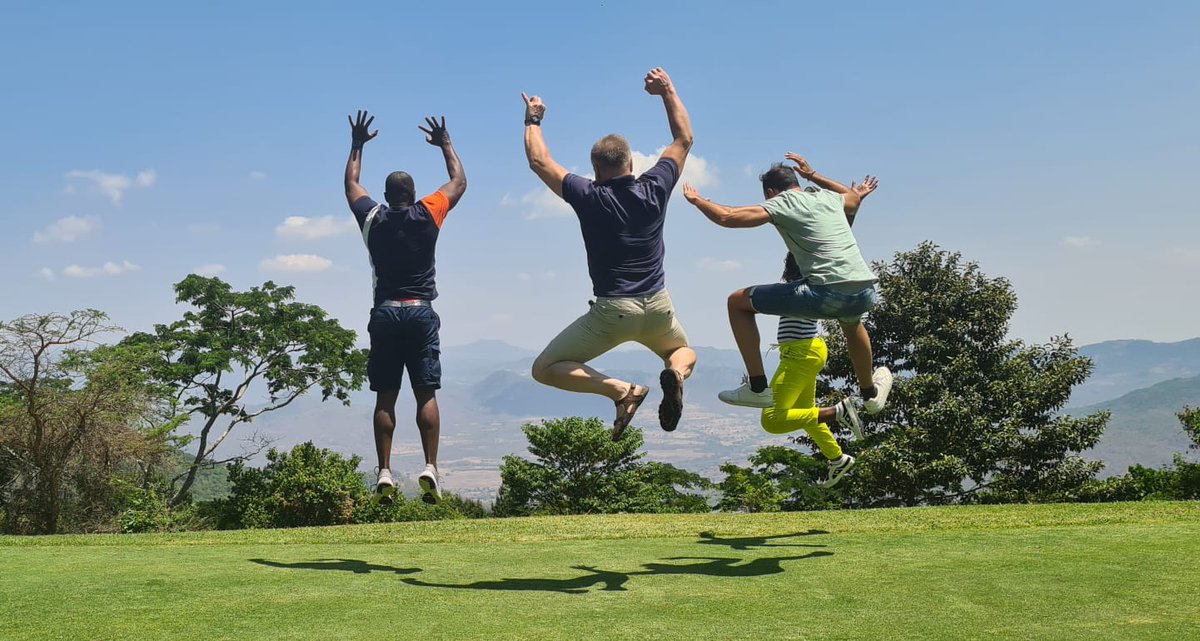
658, 83
802, 166
360, 129
868, 185
534, 107
690, 193
436, 135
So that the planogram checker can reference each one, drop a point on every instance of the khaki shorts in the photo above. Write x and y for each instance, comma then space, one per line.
649, 320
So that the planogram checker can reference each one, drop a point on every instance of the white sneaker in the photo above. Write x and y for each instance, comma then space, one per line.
745, 397
882, 377
385, 487
847, 417
837, 469
428, 480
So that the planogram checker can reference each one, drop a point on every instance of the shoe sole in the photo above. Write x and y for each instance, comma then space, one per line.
429, 493
833, 480
875, 405
671, 408
761, 405
385, 494
854, 423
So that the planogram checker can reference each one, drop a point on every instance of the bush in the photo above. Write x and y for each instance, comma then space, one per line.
307, 486
779, 479
148, 509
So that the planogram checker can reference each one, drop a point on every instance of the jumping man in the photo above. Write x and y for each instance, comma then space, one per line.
621, 217
401, 236
837, 283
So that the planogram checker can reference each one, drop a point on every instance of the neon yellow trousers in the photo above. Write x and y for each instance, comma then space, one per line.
795, 388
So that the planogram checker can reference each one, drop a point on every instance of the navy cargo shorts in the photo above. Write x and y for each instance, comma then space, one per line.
404, 337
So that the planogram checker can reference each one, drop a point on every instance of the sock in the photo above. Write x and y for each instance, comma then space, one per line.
758, 383
868, 393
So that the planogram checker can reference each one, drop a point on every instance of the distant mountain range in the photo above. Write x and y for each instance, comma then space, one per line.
488, 394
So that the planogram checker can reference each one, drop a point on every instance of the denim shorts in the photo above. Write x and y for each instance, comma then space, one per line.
844, 302
404, 338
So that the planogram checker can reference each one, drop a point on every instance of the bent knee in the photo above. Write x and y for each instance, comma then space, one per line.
774, 421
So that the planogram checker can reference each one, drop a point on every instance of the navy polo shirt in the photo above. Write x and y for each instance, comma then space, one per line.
622, 224
401, 244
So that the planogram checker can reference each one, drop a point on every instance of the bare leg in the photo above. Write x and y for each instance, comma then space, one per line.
745, 331
826, 414
682, 360
429, 422
385, 425
578, 377
859, 345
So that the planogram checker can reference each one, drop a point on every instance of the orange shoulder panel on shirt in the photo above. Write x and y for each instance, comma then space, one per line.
438, 205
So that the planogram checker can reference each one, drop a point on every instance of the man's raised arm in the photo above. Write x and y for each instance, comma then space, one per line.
747, 216
658, 83
536, 152
851, 197
437, 136
359, 135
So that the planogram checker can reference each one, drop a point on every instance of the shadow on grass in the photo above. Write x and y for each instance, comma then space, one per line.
752, 542
615, 581
342, 565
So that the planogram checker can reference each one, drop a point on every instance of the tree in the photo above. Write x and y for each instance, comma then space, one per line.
235, 342
778, 479
578, 469
973, 414
1189, 418
70, 419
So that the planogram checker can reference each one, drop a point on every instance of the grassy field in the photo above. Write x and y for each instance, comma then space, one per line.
1123, 571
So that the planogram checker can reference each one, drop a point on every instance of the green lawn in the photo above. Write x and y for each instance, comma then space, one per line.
1123, 571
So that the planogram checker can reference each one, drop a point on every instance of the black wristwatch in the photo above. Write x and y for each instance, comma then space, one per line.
533, 120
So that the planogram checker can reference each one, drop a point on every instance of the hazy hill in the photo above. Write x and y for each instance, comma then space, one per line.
1144, 428
1124, 366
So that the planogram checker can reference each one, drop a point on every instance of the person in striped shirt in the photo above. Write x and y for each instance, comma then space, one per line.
802, 355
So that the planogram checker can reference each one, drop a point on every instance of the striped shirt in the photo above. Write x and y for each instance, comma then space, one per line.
796, 329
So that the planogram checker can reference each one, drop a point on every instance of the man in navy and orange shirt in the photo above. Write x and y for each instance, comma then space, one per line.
401, 236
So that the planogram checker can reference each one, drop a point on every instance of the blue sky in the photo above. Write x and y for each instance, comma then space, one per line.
1051, 142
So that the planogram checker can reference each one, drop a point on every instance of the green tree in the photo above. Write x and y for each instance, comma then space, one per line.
778, 479
73, 416
1189, 417
973, 414
578, 469
233, 343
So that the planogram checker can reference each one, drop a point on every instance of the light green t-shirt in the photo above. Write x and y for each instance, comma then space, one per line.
814, 227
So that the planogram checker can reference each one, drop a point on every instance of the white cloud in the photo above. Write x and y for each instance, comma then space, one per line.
710, 264
258, 175
296, 263
46, 273
302, 228
68, 229
541, 203
107, 269
113, 186
696, 170
1184, 257
210, 269
1080, 241
500, 318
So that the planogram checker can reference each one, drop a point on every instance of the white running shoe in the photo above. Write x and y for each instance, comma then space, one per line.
743, 396
847, 417
385, 487
882, 377
428, 480
837, 469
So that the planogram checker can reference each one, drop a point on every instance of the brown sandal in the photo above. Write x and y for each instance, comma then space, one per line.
627, 407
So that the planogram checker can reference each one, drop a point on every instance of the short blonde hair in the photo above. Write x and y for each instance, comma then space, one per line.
612, 153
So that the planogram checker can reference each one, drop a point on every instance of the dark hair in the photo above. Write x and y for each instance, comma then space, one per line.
612, 153
791, 271
779, 177
399, 189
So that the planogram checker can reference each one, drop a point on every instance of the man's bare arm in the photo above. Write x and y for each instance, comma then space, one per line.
536, 152
359, 135
863, 189
748, 216
658, 83
437, 136
851, 198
